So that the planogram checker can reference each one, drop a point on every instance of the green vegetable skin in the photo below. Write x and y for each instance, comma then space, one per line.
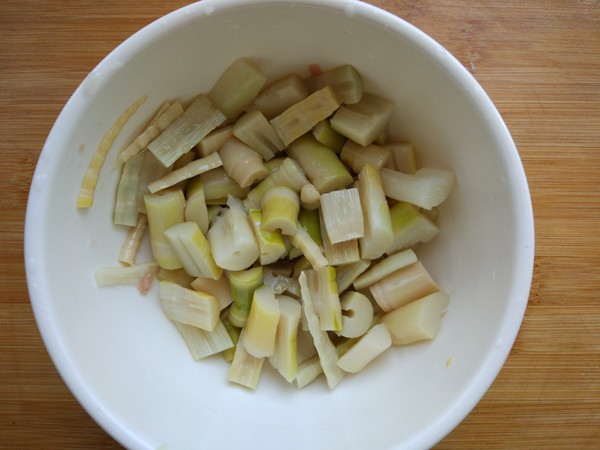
311, 200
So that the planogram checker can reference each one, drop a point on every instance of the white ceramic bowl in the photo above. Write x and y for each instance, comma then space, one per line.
127, 364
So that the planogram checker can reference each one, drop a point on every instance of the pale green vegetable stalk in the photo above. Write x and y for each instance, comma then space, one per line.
152, 169
202, 343
310, 197
328, 356
364, 121
330, 310
345, 81
245, 369
356, 156
112, 276
270, 243
261, 327
371, 345
231, 238
418, 320
167, 115
305, 346
195, 207
427, 188
237, 87
310, 220
90, 179
279, 96
299, 118
234, 335
346, 274
310, 249
126, 212
186, 172
163, 212
193, 250
285, 356
280, 207
241, 163
403, 286
378, 234
274, 163
328, 136
187, 306
243, 284
133, 240
410, 226
214, 141
342, 253
342, 215
177, 276
385, 267
220, 289
403, 157
199, 119
218, 186
357, 314
255, 131
320, 164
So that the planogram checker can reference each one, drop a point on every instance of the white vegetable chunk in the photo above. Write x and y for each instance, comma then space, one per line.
371, 345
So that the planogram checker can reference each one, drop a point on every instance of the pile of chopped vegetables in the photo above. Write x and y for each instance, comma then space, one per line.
281, 221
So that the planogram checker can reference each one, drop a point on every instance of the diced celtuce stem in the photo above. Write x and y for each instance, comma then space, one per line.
330, 310
403, 286
190, 170
364, 121
256, 132
279, 96
220, 289
218, 186
243, 284
385, 267
289, 174
403, 158
270, 243
131, 245
417, 320
280, 207
328, 136
261, 328
320, 164
285, 356
199, 119
410, 226
328, 356
356, 156
371, 345
156, 126
177, 276
342, 215
237, 87
234, 335
345, 81
214, 141
309, 248
308, 371
90, 179
378, 234
202, 343
152, 169
195, 207
311, 222
245, 369
126, 212
274, 163
299, 118
427, 188
116, 275
305, 345
187, 306
310, 196
346, 274
163, 212
241, 163
357, 314
232, 240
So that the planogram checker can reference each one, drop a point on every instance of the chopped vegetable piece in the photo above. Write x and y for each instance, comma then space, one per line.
90, 179
280, 207
126, 212
261, 328
202, 343
311, 221
187, 306
214, 141
310, 196
111, 276
342, 215
218, 186
220, 289
385, 267
130, 246
330, 310
270, 243
321, 165
403, 286
403, 157
285, 356
357, 314
418, 320
242, 163
177, 276
371, 345
243, 284
345, 81
237, 87
190, 170
199, 119
328, 136
279, 96
309, 248
410, 226
152, 169
195, 207
427, 188
245, 369
257, 133
356, 156
164, 211
234, 335
346, 274
378, 234
299, 118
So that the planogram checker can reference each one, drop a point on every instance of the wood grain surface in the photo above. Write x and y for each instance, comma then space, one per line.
540, 63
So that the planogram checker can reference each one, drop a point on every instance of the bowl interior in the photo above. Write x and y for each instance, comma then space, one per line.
128, 365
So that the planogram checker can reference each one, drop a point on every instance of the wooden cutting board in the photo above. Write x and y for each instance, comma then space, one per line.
540, 64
